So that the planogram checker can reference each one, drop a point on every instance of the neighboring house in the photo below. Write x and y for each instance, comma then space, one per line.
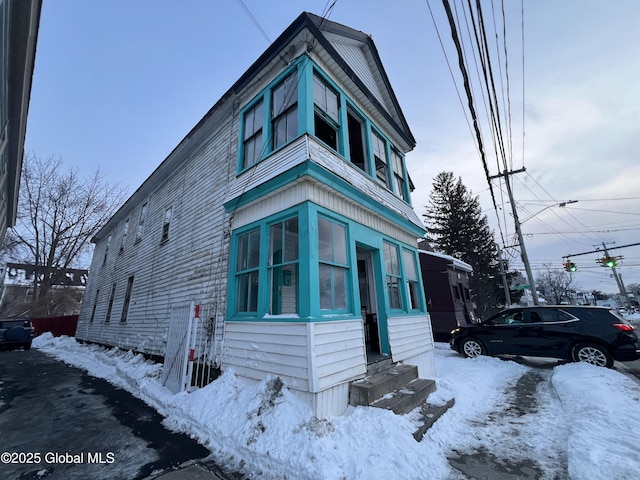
67, 289
286, 213
446, 287
19, 23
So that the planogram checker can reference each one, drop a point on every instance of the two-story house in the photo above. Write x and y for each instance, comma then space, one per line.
286, 210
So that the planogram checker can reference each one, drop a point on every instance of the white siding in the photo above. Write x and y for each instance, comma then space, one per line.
190, 265
339, 352
355, 57
410, 338
256, 350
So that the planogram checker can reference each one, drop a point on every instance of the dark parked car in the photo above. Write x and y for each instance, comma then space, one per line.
595, 335
16, 332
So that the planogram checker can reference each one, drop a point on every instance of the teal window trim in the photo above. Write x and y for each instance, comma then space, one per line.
334, 264
265, 96
413, 281
263, 271
393, 279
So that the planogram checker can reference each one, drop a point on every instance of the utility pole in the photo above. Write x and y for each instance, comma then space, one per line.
623, 290
616, 275
523, 249
505, 284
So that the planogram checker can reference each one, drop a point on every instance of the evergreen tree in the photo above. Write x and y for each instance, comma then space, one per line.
456, 227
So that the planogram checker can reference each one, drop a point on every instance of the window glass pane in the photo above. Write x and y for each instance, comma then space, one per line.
340, 288
254, 249
325, 98
339, 244
409, 265
414, 295
275, 244
391, 259
291, 240
393, 288
325, 243
326, 297
285, 95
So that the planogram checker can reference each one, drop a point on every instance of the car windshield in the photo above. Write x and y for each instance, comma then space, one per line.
619, 316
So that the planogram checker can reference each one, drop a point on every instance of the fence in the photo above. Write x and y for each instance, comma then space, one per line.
194, 345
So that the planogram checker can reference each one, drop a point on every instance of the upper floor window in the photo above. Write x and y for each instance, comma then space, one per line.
398, 174
106, 250
326, 116
143, 216
283, 266
166, 223
253, 120
357, 148
333, 268
125, 230
247, 271
392, 268
284, 111
380, 159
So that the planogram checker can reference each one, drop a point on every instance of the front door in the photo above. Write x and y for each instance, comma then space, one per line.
369, 303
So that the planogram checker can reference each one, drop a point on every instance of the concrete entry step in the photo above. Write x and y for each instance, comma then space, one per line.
407, 398
374, 387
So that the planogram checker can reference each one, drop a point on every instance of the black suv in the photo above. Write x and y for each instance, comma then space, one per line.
16, 332
594, 335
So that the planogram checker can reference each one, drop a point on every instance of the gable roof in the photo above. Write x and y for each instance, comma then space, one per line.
351, 52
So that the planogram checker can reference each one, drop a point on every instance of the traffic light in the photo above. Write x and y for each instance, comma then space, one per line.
569, 266
608, 262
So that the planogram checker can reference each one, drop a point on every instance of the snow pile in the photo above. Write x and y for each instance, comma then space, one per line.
603, 407
584, 422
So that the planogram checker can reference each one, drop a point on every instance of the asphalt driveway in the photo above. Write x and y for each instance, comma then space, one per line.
57, 422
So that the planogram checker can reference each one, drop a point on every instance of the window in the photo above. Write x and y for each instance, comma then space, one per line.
143, 215
165, 224
106, 250
283, 266
393, 275
127, 299
247, 271
398, 174
326, 120
380, 157
95, 305
124, 235
357, 149
252, 141
110, 306
284, 112
411, 276
332, 253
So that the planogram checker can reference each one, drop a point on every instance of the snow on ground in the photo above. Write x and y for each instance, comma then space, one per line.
577, 421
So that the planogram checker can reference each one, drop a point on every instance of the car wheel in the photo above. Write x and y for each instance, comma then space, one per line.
16, 334
27, 346
593, 354
472, 348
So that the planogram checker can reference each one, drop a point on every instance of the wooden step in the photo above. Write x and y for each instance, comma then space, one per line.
373, 387
407, 398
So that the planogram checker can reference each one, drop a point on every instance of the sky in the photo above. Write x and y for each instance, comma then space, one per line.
118, 84
582, 422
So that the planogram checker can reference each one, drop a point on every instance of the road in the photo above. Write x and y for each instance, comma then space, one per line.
57, 422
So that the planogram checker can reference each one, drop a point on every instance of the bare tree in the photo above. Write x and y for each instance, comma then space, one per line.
555, 284
59, 212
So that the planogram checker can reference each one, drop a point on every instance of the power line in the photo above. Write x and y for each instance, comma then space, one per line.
255, 22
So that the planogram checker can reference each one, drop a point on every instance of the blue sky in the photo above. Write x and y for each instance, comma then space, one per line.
118, 84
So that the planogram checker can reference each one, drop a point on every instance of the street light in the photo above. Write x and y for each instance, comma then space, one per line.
523, 250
